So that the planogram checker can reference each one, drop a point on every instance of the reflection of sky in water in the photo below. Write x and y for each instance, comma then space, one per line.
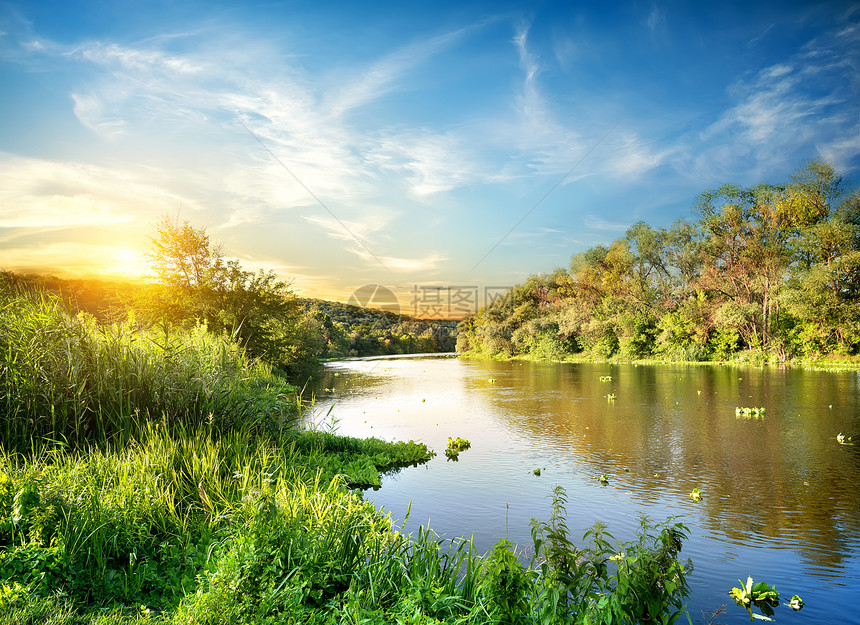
780, 496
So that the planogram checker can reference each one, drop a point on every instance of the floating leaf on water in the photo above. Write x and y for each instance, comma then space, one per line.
458, 444
696, 495
604, 479
796, 602
536, 472
759, 595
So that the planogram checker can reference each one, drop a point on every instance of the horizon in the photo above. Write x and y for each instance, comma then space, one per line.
440, 151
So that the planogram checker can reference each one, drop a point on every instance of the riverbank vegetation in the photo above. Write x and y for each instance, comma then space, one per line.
351, 330
158, 474
768, 273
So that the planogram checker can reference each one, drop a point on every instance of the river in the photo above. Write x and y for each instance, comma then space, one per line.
780, 495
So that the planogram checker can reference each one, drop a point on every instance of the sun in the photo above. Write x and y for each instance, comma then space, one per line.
128, 262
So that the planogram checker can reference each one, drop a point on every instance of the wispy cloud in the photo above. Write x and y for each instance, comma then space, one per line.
38, 193
431, 162
598, 223
656, 19
385, 74
555, 145
401, 264
794, 105
346, 230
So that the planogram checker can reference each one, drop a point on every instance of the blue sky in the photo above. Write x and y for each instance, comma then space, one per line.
403, 144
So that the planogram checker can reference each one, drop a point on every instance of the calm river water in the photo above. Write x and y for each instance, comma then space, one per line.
780, 496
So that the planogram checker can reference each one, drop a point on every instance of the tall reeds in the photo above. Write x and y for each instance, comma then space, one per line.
67, 378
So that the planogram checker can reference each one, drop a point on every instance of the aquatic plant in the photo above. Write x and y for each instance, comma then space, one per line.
760, 595
796, 602
606, 378
696, 494
537, 472
750, 413
611, 397
492, 380
843, 440
458, 444
604, 479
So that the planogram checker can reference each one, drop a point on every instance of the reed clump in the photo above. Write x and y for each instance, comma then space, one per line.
66, 377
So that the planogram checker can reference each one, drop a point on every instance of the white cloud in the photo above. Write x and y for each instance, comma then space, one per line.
598, 223
344, 230
431, 162
400, 264
656, 19
37, 193
629, 157
382, 76
792, 107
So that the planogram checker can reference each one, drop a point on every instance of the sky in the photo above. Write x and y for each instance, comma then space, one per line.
461, 145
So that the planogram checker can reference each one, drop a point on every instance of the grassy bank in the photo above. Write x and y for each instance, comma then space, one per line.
160, 477
740, 359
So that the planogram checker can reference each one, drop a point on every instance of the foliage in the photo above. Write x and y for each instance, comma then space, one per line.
640, 581
458, 444
195, 283
768, 271
68, 378
202, 527
760, 595
348, 330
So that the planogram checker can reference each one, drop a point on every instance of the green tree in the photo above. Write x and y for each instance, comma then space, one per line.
182, 256
196, 283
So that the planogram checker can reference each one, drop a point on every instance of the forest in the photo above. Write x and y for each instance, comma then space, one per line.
767, 273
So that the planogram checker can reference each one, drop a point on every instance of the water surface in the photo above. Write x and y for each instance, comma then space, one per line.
780, 496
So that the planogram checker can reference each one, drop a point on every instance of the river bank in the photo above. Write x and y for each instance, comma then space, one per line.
746, 358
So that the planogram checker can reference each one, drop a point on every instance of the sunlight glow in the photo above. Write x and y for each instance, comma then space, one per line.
128, 262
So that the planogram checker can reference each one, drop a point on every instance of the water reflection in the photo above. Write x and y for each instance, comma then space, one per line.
782, 478
780, 494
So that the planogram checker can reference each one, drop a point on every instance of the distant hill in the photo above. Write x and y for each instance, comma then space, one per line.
359, 331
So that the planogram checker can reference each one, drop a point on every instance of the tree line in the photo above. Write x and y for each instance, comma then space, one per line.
767, 272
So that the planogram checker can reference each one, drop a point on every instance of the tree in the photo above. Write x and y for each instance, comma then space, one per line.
182, 255
195, 283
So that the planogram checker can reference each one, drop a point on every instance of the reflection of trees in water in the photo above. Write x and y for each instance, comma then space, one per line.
782, 478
